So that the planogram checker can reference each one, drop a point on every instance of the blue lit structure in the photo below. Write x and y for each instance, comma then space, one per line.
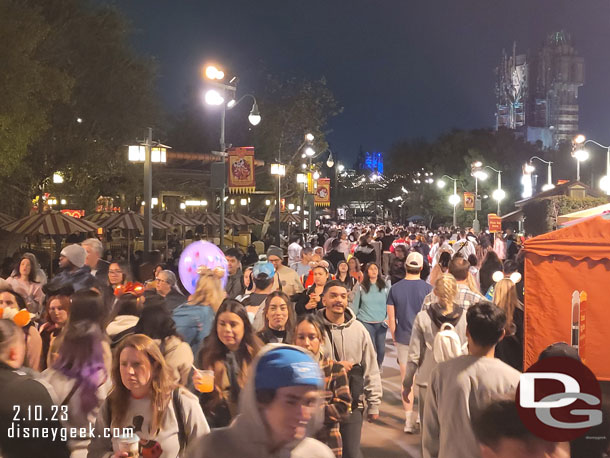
373, 162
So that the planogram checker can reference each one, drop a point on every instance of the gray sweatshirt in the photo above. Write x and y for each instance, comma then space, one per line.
420, 348
248, 437
353, 343
457, 391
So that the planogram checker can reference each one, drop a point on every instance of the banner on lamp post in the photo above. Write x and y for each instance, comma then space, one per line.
322, 197
469, 201
241, 170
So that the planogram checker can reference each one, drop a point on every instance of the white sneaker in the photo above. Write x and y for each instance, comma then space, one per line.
410, 425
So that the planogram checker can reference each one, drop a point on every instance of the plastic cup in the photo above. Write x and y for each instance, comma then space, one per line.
205, 383
129, 445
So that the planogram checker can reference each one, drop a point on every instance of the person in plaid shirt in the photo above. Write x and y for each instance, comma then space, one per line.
309, 335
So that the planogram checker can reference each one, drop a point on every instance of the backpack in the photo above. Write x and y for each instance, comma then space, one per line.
447, 344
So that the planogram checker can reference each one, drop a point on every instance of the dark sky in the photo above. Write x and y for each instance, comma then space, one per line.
400, 68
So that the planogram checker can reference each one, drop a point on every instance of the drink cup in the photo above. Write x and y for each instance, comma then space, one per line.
129, 445
205, 383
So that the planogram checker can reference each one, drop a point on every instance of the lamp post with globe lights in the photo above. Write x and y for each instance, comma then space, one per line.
454, 199
217, 95
499, 194
582, 141
529, 169
476, 170
579, 153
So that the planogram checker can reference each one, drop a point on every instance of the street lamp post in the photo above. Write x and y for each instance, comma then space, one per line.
279, 170
499, 193
454, 199
476, 170
580, 140
148, 152
302, 180
214, 76
529, 167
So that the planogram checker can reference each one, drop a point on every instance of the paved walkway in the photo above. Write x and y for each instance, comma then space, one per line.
385, 438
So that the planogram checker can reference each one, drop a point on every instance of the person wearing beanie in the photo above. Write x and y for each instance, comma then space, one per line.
74, 273
277, 408
286, 279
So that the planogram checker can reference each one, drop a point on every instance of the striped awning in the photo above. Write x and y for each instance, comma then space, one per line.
213, 219
98, 217
290, 218
175, 219
50, 223
130, 221
242, 220
5, 219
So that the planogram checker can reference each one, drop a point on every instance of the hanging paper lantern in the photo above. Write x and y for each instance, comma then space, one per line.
200, 254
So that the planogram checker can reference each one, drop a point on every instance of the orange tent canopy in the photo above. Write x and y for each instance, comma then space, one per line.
575, 258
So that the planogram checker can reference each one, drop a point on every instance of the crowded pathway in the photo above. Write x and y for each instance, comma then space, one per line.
327, 346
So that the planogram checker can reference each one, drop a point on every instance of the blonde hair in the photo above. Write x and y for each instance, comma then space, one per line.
445, 289
505, 297
162, 384
209, 289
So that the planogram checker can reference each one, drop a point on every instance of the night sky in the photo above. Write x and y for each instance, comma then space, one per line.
401, 69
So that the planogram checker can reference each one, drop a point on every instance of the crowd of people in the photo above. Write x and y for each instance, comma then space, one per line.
284, 358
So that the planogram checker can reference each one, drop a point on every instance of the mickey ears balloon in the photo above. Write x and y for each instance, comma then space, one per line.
200, 257
515, 277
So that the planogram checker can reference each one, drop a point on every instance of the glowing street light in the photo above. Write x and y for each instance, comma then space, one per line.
310, 152
454, 198
309, 137
213, 97
582, 153
214, 73
58, 178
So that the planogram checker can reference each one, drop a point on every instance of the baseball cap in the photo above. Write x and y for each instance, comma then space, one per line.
286, 366
415, 259
263, 267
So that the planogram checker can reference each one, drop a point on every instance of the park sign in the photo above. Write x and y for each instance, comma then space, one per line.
469, 201
494, 222
241, 170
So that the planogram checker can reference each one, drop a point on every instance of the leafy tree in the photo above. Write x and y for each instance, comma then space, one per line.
106, 105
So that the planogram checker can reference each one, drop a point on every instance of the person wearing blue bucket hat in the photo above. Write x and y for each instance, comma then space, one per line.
278, 403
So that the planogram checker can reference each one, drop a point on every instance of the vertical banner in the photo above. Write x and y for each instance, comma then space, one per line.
241, 170
322, 197
469, 201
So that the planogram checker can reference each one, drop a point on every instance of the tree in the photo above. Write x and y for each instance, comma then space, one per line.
106, 103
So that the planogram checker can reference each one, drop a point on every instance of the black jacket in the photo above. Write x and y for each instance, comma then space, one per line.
301, 300
26, 404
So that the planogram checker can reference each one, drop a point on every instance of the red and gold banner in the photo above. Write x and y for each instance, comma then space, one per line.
241, 169
322, 197
469, 201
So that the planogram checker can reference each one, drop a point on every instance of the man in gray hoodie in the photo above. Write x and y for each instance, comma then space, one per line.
276, 407
349, 343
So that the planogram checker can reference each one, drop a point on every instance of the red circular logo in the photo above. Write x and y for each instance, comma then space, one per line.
559, 399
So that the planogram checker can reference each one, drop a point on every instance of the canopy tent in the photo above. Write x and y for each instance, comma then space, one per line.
49, 223
5, 219
98, 217
599, 210
243, 220
131, 221
211, 219
558, 264
175, 219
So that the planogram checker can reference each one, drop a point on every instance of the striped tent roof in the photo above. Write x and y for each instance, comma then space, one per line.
213, 219
49, 223
98, 217
175, 219
5, 219
243, 220
289, 218
130, 221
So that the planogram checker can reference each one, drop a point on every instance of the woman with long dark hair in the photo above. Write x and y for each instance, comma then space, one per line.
309, 334
24, 281
56, 318
355, 269
156, 322
145, 398
310, 300
228, 351
510, 348
79, 379
344, 277
279, 316
491, 264
370, 307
